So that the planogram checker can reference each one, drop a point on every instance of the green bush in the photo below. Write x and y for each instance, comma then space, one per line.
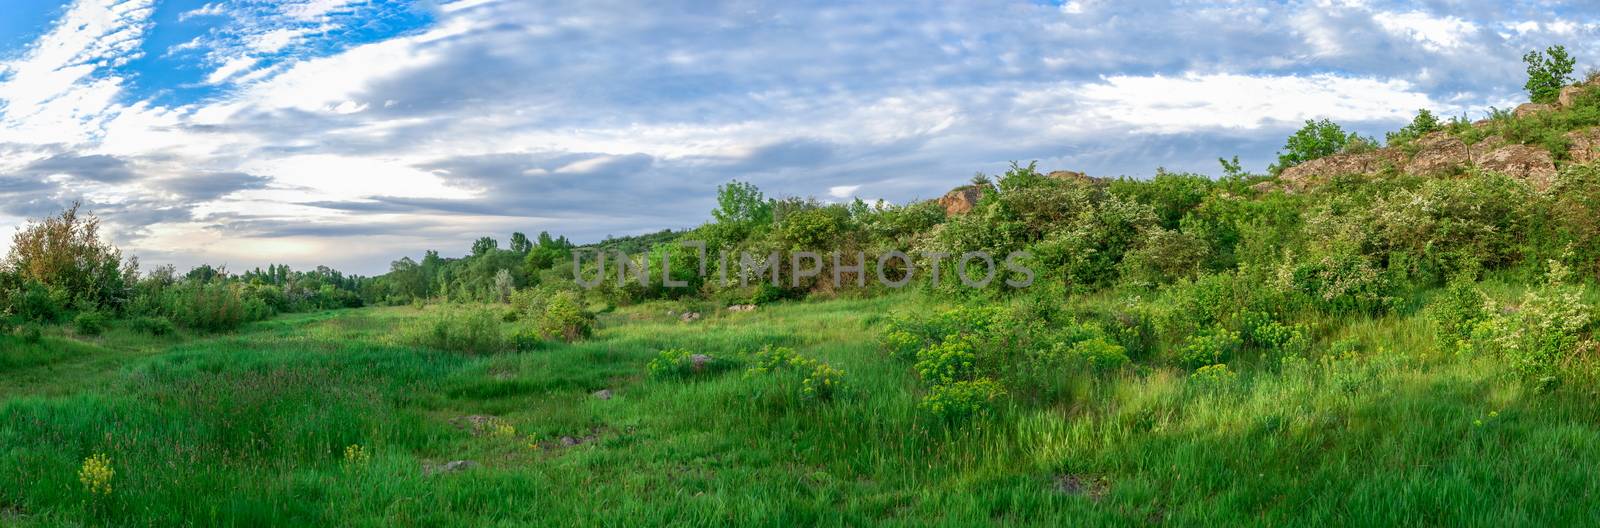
39, 303
1454, 314
1542, 335
565, 318
962, 399
208, 307
471, 331
90, 323
1213, 346
816, 380
155, 326
1213, 377
954, 359
681, 363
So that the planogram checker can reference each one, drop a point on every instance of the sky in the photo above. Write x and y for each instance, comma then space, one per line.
350, 133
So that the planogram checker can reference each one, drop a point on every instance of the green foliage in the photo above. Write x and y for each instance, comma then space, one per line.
673, 363
1548, 72
564, 317
90, 323
1213, 377
1424, 123
1540, 337
954, 359
34, 301
816, 380
1215, 345
153, 326
1317, 139
470, 331
207, 307
1170, 195
1455, 313
963, 399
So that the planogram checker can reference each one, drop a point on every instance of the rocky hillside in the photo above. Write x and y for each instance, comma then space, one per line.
1528, 143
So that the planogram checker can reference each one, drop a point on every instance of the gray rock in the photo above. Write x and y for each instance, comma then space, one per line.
689, 316
603, 394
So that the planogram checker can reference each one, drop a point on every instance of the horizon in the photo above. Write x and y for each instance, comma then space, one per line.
352, 133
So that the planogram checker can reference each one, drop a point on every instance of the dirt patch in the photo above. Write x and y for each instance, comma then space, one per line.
1094, 488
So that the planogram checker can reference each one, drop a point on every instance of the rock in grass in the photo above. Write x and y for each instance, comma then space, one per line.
1080, 485
602, 394
452, 466
689, 316
699, 361
742, 308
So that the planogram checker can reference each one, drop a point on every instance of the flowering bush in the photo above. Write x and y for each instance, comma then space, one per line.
96, 474
962, 399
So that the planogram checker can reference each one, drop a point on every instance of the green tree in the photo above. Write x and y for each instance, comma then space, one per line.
520, 243
484, 245
1421, 125
1317, 139
741, 203
1548, 72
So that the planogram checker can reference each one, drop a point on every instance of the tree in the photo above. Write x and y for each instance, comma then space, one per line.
520, 243
743, 204
65, 253
484, 245
1317, 139
1548, 72
1421, 125
504, 285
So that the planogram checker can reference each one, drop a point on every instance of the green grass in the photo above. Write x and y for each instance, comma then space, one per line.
251, 429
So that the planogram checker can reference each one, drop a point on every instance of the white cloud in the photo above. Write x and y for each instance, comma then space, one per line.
1434, 33
60, 91
843, 191
1196, 102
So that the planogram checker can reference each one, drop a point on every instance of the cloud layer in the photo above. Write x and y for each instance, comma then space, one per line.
351, 132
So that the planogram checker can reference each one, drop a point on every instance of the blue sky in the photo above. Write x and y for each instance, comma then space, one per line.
352, 132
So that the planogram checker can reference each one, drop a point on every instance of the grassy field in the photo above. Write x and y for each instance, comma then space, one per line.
327, 419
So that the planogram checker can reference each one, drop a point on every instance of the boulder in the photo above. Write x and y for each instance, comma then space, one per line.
689, 316
602, 394
1584, 145
1438, 152
1069, 175
1527, 163
1528, 109
452, 466
699, 361
1569, 95
960, 200
742, 308
1317, 171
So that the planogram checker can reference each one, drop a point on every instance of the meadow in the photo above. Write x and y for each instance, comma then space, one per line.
326, 418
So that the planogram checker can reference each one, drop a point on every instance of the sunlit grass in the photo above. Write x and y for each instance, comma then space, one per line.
328, 419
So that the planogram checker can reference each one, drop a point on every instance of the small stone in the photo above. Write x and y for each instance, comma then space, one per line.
700, 361
603, 394
742, 308
689, 316
567, 441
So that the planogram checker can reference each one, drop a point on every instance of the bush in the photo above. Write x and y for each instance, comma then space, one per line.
1213, 377
962, 399
1548, 72
681, 363
1315, 140
1454, 314
91, 323
39, 303
208, 307
954, 359
1208, 348
817, 380
475, 331
155, 326
565, 318
1541, 336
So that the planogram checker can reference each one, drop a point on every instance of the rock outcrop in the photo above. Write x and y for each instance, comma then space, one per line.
1528, 109
1584, 145
960, 200
1311, 173
1528, 163
1439, 153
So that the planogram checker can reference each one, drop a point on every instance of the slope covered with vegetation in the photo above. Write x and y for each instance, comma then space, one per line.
1331, 343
